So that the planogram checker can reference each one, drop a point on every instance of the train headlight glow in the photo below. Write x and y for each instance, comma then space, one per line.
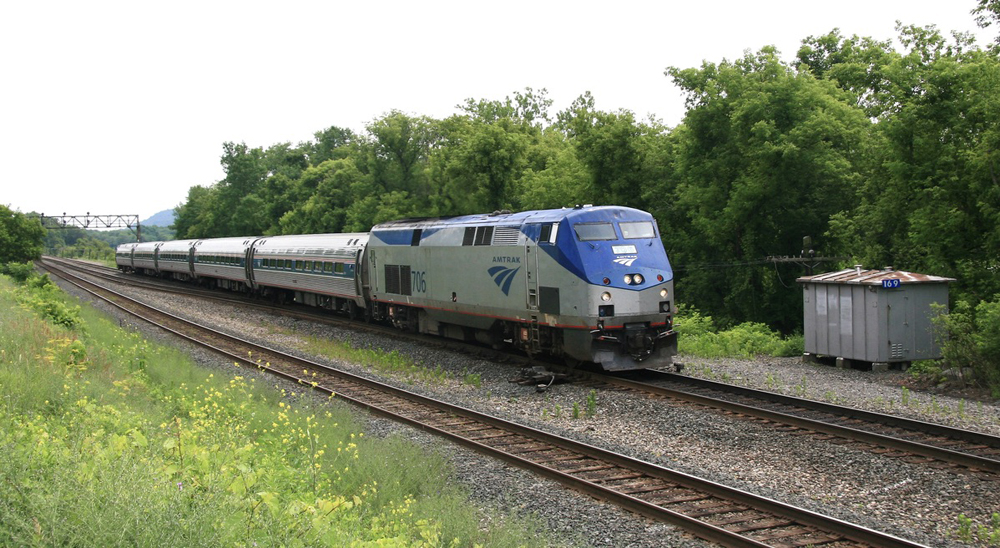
605, 296
628, 279
663, 293
638, 279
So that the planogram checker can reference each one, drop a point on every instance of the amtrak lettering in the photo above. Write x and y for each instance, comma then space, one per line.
509, 260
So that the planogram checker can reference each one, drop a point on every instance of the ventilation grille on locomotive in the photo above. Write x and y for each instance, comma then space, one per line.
506, 235
397, 279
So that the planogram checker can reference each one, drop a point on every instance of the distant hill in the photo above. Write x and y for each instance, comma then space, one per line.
163, 218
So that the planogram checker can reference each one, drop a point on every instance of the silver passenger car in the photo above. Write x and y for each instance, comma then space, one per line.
174, 259
123, 257
313, 269
144, 257
222, 262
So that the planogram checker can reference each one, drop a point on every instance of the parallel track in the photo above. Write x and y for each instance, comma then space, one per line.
709, 510
916, 441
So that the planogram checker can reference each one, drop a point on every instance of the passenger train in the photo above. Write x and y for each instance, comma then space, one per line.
588, 284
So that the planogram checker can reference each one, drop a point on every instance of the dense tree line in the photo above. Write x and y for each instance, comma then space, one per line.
883, 156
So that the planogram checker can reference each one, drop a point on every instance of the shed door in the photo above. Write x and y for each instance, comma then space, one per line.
899, 316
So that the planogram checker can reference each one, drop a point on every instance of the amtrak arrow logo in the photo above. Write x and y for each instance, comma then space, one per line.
503, 277
627, 261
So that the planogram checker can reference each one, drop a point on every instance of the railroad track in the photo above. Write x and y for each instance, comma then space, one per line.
917, 442
706, 509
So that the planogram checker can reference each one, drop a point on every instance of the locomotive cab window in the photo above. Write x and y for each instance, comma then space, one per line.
595, 231
640, 229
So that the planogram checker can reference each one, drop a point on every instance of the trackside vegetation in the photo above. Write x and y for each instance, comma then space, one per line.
107, 439
699, 336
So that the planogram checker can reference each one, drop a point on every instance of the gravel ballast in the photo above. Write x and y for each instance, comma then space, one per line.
915, 502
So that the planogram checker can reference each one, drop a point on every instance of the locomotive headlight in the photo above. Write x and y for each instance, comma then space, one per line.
628, 279
663, 293
605, 296
637, 279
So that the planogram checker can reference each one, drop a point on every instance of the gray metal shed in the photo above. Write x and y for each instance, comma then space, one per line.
873, 316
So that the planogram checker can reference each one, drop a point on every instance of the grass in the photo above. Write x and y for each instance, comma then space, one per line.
389, 363
107, 439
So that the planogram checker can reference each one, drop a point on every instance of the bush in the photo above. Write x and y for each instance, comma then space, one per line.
698, 337
39, 294
20, 272
970, 340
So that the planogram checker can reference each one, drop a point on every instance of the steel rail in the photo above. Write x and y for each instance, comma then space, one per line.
967, 460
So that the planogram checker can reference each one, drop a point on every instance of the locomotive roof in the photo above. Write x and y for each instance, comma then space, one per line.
586, 213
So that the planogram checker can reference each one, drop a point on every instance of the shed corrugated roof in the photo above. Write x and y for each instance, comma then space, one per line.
872, 277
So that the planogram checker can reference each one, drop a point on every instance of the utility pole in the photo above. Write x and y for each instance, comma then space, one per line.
807, 258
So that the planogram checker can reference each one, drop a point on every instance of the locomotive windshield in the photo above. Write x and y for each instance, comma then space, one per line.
595, 231
640, 229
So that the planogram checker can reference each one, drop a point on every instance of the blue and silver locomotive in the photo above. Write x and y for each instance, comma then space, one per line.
592, 284
588, 284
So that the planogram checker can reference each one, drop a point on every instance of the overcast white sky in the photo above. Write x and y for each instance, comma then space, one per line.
118, 107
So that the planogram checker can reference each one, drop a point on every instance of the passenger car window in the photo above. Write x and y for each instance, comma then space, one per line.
595, 231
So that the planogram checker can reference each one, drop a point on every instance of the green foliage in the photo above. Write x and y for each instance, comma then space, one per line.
929, 200
19, 272
94, 445
970, 340
969, 532
21, 236
755, 132
39, 294
87, 247
697, 337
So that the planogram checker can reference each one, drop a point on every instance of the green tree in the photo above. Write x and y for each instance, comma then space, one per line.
613, 147
398, 151
479, 165
931, 202
332, 143
324, 194
857, 65
766, 155
555, 177
192, 218
987, 13
21, 237
484, 154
